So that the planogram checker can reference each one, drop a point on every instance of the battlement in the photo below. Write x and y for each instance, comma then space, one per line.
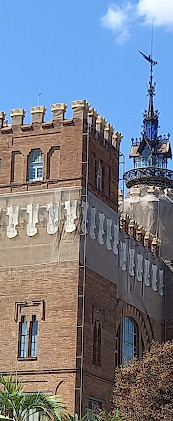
81, 111
140, 234
45, 154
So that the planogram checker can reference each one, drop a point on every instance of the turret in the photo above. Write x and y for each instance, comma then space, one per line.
150, 182
151, 152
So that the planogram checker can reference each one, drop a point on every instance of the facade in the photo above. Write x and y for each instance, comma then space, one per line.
80, 292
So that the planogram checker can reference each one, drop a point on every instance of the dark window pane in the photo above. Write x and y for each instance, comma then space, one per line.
129, 340
23, 338
34, 332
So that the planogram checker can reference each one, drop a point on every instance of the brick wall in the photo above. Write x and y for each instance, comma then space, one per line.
64, 148
61, 144
39, 274
57, 285
102, 305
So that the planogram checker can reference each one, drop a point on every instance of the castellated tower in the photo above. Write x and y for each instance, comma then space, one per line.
79, 291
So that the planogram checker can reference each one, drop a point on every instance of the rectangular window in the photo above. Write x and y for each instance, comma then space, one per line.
34, 330
39, 172
129, 340
100, 176
23, 338
35, 165
97, 343
32, 174
94, 407
28, 338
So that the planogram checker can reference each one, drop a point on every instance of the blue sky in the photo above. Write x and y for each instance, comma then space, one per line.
70, 50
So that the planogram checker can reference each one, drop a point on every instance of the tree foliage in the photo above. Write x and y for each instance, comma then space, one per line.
144, 389
15, 404
109, 417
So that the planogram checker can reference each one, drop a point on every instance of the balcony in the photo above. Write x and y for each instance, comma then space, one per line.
150, 176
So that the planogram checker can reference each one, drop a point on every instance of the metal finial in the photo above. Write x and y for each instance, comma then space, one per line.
39, 94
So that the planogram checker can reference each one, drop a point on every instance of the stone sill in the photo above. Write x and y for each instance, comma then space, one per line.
27, 358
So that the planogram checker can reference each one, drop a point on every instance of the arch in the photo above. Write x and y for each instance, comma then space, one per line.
17, 166
144, 333
35, 165
53, 163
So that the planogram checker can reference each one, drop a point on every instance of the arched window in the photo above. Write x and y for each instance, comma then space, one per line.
126, 341
35, 165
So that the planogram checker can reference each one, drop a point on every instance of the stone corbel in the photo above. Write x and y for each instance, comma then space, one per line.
123, 255
154, 280
131, 262
13, 213
139, 271
116, 239
101, 230
53, 211
71, 216
85, 206
147, 272
161, 282
32, 211
108, 234
93, 223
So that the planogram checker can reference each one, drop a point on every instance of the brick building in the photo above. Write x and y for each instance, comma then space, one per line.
79, 292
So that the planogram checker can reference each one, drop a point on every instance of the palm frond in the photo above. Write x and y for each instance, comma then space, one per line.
47, 406
14, 401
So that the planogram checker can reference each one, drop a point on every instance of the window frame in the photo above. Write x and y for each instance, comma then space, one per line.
35, 165
120, 357
99, 178
33, 337
29, 339
23, 350
129, 340
97, 343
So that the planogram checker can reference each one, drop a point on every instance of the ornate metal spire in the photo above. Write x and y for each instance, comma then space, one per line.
151, 93
151, 152
151, 117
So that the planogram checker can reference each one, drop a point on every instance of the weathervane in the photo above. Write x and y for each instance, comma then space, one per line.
151, 88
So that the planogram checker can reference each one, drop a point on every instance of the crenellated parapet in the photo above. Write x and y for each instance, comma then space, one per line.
58, 111
139, 233
81, 111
